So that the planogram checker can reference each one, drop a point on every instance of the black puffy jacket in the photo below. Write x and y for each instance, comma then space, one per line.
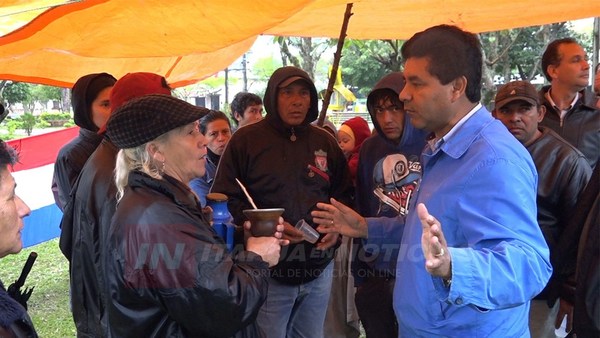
168, 272
69, 162
84, 225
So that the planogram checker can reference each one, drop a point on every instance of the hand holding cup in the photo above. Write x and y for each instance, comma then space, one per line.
268, 247
263, 222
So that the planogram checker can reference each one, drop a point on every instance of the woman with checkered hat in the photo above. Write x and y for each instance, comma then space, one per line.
168, 273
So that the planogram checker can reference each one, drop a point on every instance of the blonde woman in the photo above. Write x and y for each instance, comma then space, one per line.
168, 272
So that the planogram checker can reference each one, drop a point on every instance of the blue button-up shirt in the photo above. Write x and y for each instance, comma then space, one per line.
480, 183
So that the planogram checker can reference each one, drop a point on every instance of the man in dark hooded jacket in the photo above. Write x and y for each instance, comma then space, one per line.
389, 170
91, 108
285, 162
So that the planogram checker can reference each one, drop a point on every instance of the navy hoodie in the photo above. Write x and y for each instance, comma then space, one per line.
387, 175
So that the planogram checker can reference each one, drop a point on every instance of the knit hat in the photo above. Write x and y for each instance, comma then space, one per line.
145, 118
516, 90
133, 85
359, 128
83, 94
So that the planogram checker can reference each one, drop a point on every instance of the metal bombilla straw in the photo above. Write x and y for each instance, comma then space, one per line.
246, 193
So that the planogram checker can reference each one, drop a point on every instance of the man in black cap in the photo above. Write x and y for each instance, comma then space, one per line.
285, 162
563, 172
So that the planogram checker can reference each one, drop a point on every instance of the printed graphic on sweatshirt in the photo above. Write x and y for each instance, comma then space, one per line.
396, 179
320, 167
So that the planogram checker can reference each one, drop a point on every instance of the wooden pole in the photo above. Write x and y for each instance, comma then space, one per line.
334, 69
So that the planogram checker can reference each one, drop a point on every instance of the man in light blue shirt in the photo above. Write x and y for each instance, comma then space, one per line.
471, 270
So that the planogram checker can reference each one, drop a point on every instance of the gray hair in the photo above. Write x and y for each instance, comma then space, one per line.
8, 155
139, 159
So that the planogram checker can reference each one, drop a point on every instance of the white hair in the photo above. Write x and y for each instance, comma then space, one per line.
137, 158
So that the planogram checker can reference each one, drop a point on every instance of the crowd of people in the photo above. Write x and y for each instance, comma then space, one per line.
445, 220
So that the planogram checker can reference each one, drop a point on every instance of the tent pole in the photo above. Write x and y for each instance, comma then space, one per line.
334, 69
596, 46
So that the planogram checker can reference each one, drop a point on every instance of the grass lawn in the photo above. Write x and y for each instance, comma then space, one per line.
49, 304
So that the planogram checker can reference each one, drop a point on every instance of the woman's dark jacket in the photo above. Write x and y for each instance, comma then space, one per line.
169, 274
84, 225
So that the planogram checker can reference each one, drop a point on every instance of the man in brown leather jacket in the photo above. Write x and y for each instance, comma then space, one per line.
563, 173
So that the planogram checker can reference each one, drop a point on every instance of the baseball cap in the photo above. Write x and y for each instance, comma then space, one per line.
516, 90
291, 80
136, 84
133, 85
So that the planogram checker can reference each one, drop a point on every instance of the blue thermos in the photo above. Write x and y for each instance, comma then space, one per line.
222, 219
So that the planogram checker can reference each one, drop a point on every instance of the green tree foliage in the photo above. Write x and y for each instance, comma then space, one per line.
515, 54
11, 128
41, 93
13, 92
53, 120
264, 67
26, 122
27, 94
303, 53
512, 54
364, 62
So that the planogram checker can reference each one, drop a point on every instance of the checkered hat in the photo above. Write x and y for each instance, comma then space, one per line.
145, 118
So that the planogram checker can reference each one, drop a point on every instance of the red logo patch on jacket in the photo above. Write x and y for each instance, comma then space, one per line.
320, 167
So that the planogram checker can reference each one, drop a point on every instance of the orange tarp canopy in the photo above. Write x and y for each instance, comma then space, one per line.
55, 42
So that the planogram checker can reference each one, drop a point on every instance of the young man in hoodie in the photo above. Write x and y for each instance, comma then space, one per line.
388, 173
285, 162
91, 108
